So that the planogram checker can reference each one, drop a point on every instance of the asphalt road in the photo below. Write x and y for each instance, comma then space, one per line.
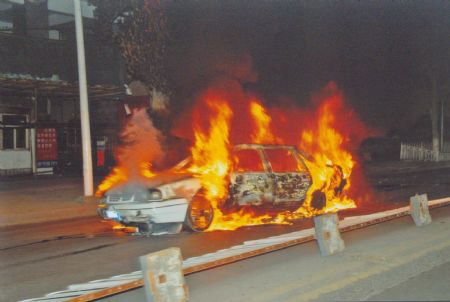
38, 259
390, 261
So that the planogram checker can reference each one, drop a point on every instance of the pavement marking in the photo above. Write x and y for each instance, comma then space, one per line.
293, 285
315, 294
388, 259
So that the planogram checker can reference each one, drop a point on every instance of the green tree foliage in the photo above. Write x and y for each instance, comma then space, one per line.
139, 29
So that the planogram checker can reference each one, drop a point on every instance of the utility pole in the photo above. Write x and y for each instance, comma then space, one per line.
84, 105
442, 125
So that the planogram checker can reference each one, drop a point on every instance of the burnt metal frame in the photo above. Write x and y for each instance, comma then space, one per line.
266, 162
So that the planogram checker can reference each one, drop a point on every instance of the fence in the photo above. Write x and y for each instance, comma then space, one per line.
423, 151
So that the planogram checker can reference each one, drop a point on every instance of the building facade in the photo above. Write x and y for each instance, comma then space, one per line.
39, 104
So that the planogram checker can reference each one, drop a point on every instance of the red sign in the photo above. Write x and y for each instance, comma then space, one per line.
101, 145
46, 147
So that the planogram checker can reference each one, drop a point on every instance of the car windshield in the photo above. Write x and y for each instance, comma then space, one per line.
283, 161
247, 160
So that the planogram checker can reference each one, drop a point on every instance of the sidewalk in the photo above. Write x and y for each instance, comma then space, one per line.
34, 199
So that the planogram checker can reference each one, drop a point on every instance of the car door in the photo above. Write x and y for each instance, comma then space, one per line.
250, 181
291, 177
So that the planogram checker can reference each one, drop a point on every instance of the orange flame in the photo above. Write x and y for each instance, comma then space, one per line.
321, 134
328, 151
262, 122
141, 146
210, 153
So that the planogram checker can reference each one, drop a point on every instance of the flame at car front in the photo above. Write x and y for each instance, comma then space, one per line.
210, 153
139, 149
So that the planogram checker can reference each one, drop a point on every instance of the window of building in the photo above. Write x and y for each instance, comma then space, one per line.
14, 134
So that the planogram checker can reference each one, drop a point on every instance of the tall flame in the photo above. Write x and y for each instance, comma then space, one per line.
262, 121
210, 153
324, 136
330, 162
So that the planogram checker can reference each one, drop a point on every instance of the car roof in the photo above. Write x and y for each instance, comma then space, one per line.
262, 146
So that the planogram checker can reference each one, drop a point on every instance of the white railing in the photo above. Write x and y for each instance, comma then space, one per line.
423, 151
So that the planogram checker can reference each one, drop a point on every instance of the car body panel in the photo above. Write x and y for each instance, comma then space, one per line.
185, 188
291, 187
252, 189
157, 212
246, 188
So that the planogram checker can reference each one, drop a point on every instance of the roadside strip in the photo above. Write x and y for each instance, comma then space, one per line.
102, 288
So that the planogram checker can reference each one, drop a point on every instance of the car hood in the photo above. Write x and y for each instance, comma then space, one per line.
167, 178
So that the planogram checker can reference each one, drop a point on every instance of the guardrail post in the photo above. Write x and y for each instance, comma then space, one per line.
418, 207
327, 234
163, 276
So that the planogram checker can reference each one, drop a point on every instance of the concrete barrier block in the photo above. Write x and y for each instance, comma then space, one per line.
163, 276
327, 234
418, 207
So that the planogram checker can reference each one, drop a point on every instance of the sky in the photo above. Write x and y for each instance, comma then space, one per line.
376, 51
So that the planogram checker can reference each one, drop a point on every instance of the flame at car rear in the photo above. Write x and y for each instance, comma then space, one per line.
332, 161
317, 132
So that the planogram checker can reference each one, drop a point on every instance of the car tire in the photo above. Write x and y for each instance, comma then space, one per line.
143, 228
319, 200
200, 213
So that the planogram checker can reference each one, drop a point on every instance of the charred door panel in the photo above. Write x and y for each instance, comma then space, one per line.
251, 189
291, 186
250, 182
291, 177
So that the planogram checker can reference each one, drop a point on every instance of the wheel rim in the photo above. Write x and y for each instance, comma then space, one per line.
200, 214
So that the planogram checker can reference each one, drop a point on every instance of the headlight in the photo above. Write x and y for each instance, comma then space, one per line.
167, 192
155, 195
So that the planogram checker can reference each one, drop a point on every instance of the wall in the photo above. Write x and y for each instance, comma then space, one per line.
42, 57
15, 161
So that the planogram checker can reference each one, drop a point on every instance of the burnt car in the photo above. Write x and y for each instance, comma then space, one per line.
263, 176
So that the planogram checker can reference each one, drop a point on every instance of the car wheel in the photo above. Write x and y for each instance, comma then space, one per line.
143, 228
319, 200
199, 214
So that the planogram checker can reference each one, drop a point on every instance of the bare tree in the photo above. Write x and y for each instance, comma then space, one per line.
430, 54
139, 28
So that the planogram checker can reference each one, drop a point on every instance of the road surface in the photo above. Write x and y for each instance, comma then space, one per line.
389, 261
38, 259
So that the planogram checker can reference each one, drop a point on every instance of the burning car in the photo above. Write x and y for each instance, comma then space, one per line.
263, 178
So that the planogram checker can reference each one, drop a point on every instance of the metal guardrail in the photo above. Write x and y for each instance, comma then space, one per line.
105, 287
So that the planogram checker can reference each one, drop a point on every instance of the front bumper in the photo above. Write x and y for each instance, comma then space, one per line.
167, 211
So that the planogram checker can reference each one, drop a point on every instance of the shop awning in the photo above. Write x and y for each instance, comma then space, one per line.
56, 88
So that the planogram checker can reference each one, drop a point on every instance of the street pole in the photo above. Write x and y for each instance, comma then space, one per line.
84, 106
33, 131
442, 125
